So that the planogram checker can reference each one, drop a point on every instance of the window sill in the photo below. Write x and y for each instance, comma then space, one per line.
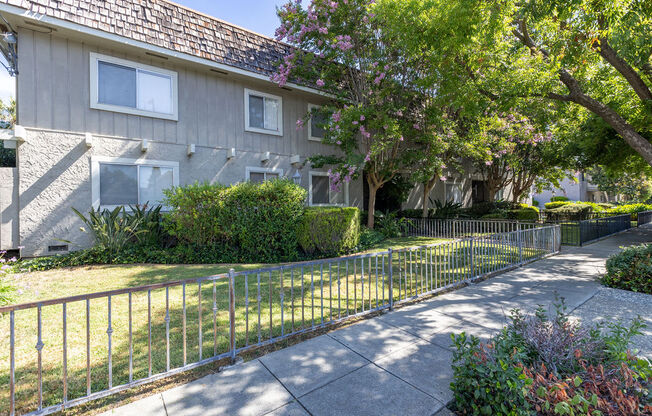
264, 131
315, 139
134, 111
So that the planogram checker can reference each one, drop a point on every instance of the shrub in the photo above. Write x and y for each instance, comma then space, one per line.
556, 204
448, 209
631, 269
535, 203
632, 209
542, 365
495, 216
369, 238
390, 226
523, 214
572, 212
559, 199
257, 222
112, 229
414, 213
484, 208
530, 207
329, 231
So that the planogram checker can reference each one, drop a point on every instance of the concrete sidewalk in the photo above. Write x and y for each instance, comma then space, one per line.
399, 363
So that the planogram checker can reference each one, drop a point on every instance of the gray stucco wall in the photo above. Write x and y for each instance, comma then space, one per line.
56, 176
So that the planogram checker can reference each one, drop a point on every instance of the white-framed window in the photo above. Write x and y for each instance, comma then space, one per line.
123, 182
321, 194
260, 175
129, 87
318, 118
263, 112
453, 193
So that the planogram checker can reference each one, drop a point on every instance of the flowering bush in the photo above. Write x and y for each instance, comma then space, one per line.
538, 365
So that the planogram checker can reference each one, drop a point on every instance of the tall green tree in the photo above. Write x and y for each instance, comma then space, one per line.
377, 104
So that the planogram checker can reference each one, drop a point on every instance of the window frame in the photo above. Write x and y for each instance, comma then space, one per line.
248, 92
96, 161
345, 190
94, 87
310, 136
251, 169
459, 186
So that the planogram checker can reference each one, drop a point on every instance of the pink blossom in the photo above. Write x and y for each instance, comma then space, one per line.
362, 118
355, 122
443, 178
299, 124
320, 83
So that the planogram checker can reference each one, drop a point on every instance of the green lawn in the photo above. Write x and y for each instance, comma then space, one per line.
307, 296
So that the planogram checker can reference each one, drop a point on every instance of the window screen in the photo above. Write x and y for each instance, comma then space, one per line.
154, 92
118, 184
264, 112
317, 120
320, 190
116, 84
152, 181
256, 112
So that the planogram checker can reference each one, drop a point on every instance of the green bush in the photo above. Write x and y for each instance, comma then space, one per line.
495, 216
535, 203
257, 222
521, 368
369, 238
112, 229
629, 209
530, 207
414, 213
390, 226
572, 212
484, 208
631, 269
559, 199
329, 231
556, 204
523, 214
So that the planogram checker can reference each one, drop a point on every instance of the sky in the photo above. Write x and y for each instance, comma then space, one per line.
256, 15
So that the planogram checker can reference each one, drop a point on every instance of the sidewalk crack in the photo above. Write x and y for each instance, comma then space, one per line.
296, 399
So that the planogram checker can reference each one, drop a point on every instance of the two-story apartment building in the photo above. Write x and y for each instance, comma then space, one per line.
118, 100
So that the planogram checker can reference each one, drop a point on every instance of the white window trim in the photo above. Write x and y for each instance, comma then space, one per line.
95, 174
250, 170
279, 132
345, 190
94, 88
310, 136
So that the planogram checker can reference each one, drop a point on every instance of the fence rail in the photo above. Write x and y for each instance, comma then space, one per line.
578, 233
64, 352
643, 218
462, 228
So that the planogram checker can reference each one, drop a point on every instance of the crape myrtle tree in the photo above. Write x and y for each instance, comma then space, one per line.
520, 153
375, 107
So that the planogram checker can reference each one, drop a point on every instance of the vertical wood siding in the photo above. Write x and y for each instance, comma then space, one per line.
53, 93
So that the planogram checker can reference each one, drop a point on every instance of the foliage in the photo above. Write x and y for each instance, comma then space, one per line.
329, 231
448, 209
393, 193
112, 230
523, 214
559, 198
7, 121
535, 203
257, 222
369, 238
557, 204
526, 368
390, 226
633, 185
150, 222
573, 212
630, 209
631, 269
414, 213
483, 208
7, 290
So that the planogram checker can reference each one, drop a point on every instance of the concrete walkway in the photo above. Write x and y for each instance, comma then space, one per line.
399, 363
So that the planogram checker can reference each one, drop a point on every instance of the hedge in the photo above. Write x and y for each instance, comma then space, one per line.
631, 269
570, 212
559, 199
329, 231
256, 222
556, 204
523, 214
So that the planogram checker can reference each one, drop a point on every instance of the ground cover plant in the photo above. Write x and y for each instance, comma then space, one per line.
551, 365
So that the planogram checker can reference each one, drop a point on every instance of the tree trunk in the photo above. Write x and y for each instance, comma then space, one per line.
427, 187
371, 211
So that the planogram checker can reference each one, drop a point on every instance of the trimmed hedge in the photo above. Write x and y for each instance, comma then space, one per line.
631, 269
573, 212
256, 222
556, 204
329, 231
523, 214
559, 199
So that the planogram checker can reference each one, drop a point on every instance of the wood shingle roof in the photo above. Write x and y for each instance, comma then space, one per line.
168, 25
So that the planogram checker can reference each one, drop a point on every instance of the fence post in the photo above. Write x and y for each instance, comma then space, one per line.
232, 313
519, 241
472, 260
391, 279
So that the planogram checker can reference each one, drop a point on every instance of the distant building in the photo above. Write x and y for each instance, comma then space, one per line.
579, 188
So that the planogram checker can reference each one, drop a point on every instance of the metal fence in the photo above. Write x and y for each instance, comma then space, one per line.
461, 228
578, 233
643, 218
63, 352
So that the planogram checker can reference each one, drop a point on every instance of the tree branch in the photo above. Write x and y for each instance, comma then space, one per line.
633, 78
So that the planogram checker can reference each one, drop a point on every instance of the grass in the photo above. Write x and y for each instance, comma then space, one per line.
301, 298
